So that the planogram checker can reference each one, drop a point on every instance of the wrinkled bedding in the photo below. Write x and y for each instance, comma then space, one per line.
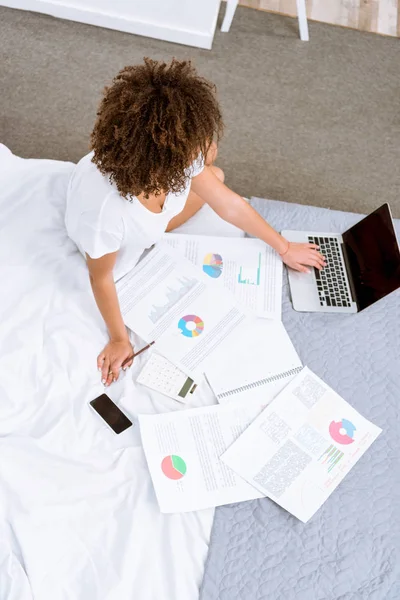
78, 516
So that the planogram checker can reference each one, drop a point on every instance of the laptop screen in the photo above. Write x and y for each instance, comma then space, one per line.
373, 256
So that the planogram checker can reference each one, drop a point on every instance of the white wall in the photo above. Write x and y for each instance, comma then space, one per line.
190, 22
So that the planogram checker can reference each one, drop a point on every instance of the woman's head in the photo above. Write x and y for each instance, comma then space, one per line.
152, 123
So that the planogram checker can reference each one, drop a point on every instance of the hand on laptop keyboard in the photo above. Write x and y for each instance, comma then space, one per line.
301, 256
331, 283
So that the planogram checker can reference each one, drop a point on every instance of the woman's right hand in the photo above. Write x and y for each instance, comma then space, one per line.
300, 256
111, 358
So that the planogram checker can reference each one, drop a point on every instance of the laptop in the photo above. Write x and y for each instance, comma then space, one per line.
363, 266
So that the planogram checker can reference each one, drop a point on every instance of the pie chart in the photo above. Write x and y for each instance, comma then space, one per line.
342, 431
173, 467
212, 265
191, 325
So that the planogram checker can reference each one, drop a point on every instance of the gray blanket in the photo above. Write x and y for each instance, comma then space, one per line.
350, 550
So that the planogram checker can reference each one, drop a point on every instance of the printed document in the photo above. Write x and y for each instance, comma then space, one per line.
183, 452
302, 445
163, 300
248, 268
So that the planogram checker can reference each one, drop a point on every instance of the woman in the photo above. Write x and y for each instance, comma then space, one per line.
149, 171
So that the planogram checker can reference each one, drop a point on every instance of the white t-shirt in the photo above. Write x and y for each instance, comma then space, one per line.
100, 221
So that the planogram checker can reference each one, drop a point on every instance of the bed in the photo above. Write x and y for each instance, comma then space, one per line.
350, 550
78, 515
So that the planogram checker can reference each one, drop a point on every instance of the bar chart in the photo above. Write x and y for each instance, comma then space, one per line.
250, 275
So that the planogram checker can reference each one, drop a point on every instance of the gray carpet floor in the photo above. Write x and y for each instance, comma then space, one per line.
315, 123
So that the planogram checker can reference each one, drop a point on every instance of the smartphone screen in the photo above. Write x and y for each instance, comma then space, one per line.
111, 414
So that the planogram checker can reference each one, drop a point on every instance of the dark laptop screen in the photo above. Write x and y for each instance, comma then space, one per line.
374, 257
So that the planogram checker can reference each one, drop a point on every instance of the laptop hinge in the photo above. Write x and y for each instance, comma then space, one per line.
349, 273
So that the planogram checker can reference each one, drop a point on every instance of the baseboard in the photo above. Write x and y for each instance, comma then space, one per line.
114, 21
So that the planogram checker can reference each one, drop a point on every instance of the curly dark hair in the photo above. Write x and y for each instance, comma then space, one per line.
153, 121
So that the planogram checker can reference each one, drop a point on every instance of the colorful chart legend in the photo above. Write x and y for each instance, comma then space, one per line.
191, 326
253, 278
331, 457
212, 265
173, 467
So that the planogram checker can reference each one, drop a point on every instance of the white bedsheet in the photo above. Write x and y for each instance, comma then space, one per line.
78, 515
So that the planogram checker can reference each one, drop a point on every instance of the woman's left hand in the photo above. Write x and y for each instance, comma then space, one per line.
111, 358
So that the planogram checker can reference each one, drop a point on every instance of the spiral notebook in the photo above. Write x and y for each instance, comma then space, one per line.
264, 363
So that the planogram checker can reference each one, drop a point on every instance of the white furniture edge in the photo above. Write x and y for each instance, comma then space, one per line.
229, 12
120, 23
301, 15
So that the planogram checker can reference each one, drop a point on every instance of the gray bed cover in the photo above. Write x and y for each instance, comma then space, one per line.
350, 550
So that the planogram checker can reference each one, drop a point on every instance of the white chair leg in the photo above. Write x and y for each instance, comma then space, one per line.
302, 16
229, 12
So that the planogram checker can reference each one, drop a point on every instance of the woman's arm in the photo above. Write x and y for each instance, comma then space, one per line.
119, 347
233, 208
192, 206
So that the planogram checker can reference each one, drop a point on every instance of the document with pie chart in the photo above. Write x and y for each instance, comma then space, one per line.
200, 329
250, 269
183, 450
299, 449
164, 299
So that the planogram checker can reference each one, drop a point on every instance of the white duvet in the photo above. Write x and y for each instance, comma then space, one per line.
78, 515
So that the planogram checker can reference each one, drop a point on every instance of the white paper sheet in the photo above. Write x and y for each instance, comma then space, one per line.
248, 268
183, 452
163, 300
258, 368
161, 375
302, 445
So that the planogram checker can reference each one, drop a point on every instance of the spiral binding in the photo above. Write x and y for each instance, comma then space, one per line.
260, 382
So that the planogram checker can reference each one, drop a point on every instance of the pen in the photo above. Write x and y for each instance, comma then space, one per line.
136, 354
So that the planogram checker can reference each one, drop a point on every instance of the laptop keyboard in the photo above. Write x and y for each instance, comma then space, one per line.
331, 282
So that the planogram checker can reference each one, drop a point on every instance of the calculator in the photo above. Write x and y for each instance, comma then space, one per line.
161, 375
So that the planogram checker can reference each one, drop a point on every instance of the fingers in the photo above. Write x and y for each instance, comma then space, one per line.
302, 269
100, 360
110, 360
315, 259
314, 262
113, 371
308, 254
115, 368
320, 258
110, 377
302, 256
130, 363
311, 262
104, 370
